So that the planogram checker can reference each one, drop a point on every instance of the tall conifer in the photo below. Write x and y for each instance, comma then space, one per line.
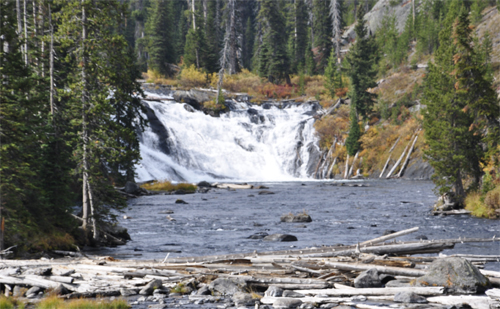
461, 120
362, 58
161, 43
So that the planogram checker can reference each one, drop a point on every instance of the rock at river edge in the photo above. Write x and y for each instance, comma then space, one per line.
458, 275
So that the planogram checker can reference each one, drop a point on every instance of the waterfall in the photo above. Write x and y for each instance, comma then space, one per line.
248, 143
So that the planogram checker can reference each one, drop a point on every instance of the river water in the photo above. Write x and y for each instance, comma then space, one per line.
219, 222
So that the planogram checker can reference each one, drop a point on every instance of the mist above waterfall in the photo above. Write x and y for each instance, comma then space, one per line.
249, 143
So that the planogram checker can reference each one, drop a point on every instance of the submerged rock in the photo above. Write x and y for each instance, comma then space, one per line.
265, 192
204, 184
280, 237
301, 217
179, 201
458, 275
258, 235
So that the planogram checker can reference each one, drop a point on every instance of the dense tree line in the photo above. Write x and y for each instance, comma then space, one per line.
69, 117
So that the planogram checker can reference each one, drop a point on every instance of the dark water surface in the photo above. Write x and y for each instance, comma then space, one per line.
219, 222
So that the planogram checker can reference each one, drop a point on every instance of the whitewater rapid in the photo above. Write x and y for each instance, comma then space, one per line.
249, 143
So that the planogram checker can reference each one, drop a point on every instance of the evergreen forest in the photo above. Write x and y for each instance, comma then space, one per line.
71, 73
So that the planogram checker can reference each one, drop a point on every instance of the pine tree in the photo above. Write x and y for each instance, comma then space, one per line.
309, 61
273, 59
159, 30
352, 143
333, 78
247, 48
322, 44
19, 130
211, 35
461, 121
362, 58
297, 22
100, 65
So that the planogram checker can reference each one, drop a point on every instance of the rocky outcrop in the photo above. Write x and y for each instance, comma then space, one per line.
383, 8
418, 169
194, 97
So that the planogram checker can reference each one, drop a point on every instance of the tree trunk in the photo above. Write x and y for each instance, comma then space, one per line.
459, 188
92, 212
85, 132
407, 157
19, 21
51, 63
194, 17
41, 11
25, 13
352, 165
413, 9
346, 167
35, 33
397, 162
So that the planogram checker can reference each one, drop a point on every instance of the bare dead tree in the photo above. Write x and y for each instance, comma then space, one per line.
335, 12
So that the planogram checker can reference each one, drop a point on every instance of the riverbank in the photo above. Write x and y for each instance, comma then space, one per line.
366, 275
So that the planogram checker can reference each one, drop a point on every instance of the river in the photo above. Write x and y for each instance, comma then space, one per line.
343, 212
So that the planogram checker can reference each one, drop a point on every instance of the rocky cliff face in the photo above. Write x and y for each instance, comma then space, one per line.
398, 8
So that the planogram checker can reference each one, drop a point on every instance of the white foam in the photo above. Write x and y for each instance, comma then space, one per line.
227, 148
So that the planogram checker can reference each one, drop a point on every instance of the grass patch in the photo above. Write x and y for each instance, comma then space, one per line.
181, 288
475, 206
168, 186
10, 303
53, 302
484, 203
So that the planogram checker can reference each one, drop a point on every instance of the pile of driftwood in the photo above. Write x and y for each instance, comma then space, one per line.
321, 277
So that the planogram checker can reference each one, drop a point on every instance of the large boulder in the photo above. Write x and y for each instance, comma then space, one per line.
368, 279
274, 291
300, 217
458, 275
223, 286
132, 188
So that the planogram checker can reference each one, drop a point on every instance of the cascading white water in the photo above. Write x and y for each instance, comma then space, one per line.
249, 143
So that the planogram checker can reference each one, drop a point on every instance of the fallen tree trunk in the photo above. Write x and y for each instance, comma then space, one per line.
408, 156
427, 291
411, 272
393, 169
390, 249
390, 236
